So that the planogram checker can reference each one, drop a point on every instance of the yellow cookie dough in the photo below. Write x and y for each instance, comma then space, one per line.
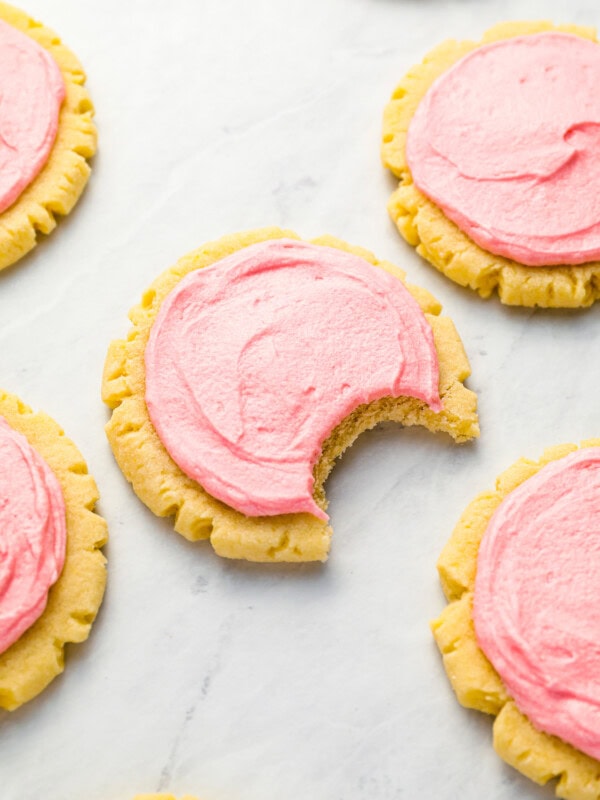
439, 240
167, 491
537, 755
57, 187
35, 659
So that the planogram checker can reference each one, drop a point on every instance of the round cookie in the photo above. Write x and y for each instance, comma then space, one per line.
168, 491
436, 237
37, 657
59, 183
476, 682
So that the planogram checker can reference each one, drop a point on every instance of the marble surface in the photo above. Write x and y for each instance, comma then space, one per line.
229, 680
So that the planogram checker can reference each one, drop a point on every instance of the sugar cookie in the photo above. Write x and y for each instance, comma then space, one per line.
47, 133
305, 344
494, 186
519, 636
50, 591
160, 796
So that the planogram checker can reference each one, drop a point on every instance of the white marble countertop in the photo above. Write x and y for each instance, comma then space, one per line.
228, 680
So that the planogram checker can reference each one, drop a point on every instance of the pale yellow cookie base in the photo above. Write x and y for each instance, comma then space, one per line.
37, 657
167, 491
477, 685
58, 186
162, 797
439, 240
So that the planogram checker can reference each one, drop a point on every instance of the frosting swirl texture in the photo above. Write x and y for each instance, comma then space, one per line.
253, 361
507, 144
31, 92
32, 534
537, 598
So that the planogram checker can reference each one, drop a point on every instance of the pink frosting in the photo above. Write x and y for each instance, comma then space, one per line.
254, 360
31, 92
507, 144
32, 534
537, 598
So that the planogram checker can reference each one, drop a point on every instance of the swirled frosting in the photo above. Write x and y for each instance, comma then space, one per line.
32, 534
507, 144
253, 361
31, 93
537, 598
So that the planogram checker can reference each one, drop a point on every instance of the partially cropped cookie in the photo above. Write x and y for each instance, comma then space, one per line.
496, 145
520, 637
52, 572
252, 364
162, 796
46, 132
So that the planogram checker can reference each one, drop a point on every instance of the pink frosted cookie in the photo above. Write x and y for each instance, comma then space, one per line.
52, 572
496, 148
253, 364
46, 132
520, 636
